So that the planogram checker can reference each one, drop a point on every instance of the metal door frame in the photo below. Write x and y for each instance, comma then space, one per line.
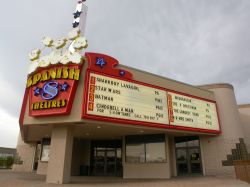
188, 161
105, 163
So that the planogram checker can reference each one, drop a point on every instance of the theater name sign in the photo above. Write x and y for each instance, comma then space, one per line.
52, 90
52, 78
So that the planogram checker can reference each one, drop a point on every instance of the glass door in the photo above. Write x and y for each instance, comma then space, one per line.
188, 157
181, 161
106, 158
110, 164
99, 161
105, 161
194, 160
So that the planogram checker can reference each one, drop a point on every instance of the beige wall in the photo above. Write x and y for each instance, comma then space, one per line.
42, 168
244, 111
26, 154
150, 170
147, 170
168, 83
216, 149
80, 155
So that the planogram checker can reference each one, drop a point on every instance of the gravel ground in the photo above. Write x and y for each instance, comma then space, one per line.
14, 179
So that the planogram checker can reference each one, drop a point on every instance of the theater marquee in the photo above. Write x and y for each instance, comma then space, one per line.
111, 94
114, 98
191, 112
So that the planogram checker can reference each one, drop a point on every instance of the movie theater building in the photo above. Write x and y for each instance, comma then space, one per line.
100, 118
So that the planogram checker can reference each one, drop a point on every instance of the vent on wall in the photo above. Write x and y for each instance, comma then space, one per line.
240, 153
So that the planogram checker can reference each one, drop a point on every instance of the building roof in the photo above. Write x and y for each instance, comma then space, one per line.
244, 106
5, 150
216, 85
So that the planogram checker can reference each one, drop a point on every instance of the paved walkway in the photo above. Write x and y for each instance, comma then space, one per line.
13, 179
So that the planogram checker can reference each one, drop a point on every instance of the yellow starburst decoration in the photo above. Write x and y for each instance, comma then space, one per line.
60, 51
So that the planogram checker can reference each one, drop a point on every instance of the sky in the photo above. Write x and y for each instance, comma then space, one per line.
192, 41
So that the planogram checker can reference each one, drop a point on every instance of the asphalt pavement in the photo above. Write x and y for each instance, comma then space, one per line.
9, 178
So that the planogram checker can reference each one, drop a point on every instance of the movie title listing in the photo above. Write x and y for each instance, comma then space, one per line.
114, 98
191, 112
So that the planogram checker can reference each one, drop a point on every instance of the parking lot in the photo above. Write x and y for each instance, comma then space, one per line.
14, 179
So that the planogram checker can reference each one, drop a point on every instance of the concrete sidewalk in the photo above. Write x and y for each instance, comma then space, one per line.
14, 179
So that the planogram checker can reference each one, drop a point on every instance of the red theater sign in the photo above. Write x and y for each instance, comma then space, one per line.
52, 90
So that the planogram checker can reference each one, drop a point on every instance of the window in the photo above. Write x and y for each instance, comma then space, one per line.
5, 155
135, 153
155, 152
146, 148
45, 150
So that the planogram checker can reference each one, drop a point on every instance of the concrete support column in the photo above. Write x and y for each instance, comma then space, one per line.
59, 167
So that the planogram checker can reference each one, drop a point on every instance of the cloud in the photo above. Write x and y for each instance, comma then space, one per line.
196, 42
9, 129
11, 97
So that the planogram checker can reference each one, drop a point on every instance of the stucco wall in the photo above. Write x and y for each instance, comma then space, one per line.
216, 149
150, 170
25, 156
244, 111
80, 155
42, 168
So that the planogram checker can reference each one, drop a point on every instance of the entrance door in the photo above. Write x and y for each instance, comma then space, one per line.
181, 161
99, 161
188, 157
106, 159
194, 160
110, 164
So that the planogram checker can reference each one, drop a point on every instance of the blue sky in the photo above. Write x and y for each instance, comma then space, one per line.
193, 41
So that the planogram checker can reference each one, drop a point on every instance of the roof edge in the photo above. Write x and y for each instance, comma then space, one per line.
217, 85
244, 106
166, 78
